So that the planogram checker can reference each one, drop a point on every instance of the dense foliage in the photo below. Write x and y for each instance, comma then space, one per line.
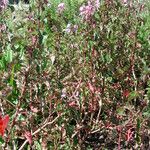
75, 75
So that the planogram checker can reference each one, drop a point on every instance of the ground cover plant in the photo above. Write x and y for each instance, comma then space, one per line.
75, 74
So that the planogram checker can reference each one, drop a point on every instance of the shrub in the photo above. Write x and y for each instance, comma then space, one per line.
72, 80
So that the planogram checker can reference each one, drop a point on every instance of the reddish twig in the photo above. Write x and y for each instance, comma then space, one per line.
39, 129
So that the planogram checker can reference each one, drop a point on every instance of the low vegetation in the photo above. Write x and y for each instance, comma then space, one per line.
75, 75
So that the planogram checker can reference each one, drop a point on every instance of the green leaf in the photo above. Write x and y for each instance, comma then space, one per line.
38, 146
1, 140
9, 54
138, 126
21, 118
121, 111
133, 95
2, 65
147, 114
12, 76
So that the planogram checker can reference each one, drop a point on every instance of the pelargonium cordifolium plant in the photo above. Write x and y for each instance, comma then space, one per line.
75, 74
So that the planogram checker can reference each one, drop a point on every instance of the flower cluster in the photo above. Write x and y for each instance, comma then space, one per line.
86, 11
2, 27
3, 4
61, 7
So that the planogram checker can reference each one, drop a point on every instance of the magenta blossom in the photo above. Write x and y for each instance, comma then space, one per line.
125, 1
61, 7
97, 4
86, 11
2, 27
3, 4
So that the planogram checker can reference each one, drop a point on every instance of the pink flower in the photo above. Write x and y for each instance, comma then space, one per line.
2, 27
3, 4
61, 7
87, 11
125, 1
97, 4
94, 3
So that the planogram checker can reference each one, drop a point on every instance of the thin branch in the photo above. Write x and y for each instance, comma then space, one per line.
17, 107
39, 129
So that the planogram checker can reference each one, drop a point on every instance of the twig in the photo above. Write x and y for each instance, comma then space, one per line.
38, 130
100, 108
17, 107
1, 107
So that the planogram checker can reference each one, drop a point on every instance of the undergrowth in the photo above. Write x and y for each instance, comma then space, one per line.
72, 78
